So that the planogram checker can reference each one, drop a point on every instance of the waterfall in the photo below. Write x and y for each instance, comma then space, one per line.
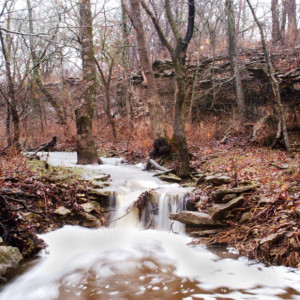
125, 261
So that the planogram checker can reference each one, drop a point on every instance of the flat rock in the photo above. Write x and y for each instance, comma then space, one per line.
91, 206
218, 180
62, 211
202, 233
272, 237
218, 195
100, 193
170, 177
194, 218
90, 220
219, 210
103, 177
9, 260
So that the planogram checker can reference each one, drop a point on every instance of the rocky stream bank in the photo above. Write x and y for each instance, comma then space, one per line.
261, 223
37, 198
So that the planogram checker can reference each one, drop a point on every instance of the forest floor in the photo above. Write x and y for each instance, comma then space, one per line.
33, 192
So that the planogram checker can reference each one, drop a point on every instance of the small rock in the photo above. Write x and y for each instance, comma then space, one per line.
97, 185
228, 197
1, 240
32, 217
266, 200
297, 210
103, 177
200, 178
218, 180
194, 218
246, 217
219, 210
91, 206
62, 211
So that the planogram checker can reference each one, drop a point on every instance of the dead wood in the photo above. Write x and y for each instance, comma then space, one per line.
152, 163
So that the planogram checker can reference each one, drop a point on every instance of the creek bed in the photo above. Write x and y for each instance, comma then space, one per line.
125, 261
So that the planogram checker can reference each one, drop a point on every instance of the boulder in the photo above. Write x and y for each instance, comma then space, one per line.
9, 260
195, 218
219, 194
218, 211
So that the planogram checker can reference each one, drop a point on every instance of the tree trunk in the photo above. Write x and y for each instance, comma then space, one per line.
125, 60
273, 80
8, 120
155, 108
36, 74
86, 150
232, 50
292, 21
11, 99
108, 113
276, 36
283, 21
178, 55
179, 124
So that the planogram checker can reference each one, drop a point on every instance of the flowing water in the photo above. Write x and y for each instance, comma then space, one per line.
125, 261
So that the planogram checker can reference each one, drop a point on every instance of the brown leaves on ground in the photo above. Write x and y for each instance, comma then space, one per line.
267, 227
28, 200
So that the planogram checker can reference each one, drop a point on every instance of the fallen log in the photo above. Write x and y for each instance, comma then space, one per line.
154, 164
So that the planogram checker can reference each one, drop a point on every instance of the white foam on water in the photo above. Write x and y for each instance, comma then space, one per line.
145, 263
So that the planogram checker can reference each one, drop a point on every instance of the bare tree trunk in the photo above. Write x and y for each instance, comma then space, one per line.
190, 110
283, 21
86, 149
276, 36
273, 80
178, 55
155, 108
125, 59
12, 100
232, 49
108, 112
179, 58
36, 74
8, 121
292, 22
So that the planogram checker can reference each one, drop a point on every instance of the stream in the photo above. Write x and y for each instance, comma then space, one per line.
126, 261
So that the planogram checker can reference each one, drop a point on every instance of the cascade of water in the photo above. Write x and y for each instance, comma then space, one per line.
125, 262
